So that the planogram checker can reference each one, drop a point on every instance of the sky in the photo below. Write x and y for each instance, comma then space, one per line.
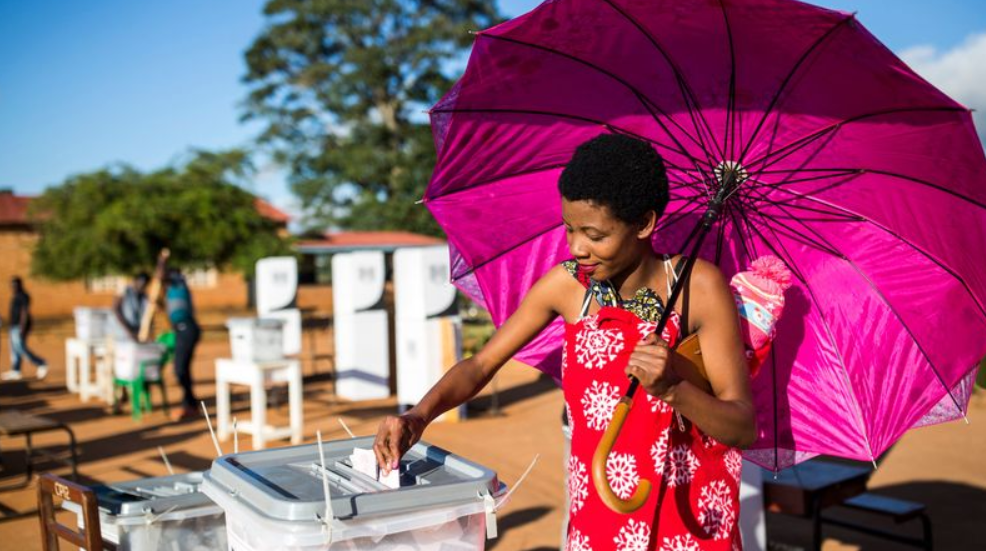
84, 85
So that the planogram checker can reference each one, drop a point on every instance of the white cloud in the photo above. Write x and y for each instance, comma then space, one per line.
959, 72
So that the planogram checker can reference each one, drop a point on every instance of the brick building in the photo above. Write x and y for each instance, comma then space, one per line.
213, 289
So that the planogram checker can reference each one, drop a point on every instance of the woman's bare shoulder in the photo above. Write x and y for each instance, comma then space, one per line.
556, 289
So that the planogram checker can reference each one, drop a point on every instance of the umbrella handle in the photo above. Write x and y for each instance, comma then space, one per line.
599, 479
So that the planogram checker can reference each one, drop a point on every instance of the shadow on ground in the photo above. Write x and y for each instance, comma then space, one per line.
956, 510
515, 519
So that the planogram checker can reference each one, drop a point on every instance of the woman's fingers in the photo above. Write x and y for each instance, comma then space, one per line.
387, 444
381, 446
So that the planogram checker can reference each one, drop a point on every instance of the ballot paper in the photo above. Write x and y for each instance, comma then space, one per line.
365, 462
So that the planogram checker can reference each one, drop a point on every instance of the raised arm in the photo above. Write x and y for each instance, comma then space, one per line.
727, 414
466, 378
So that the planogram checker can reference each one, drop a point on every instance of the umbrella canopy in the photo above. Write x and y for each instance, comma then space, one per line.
869, 183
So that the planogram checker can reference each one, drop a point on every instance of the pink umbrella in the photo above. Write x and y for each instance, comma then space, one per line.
869, 183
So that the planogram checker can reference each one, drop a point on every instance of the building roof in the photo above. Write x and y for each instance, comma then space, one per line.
334, 242
13, 209
271, 212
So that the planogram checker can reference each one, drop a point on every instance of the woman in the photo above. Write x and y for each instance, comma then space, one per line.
683, 439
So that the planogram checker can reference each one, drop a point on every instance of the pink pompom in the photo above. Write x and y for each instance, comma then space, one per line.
772, 268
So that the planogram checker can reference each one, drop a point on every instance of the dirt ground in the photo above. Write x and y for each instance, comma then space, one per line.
940, 466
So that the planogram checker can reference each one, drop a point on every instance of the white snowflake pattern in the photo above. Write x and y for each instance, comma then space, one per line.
710, 442
564, 360
621, 472
578, 484
716, 513
682, 466
634, 536
577, 542
734, 463
680, 543
659, 451
657, 404
598, 402
595, 348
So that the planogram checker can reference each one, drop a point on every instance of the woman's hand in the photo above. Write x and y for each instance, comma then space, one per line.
395, 436
650, 363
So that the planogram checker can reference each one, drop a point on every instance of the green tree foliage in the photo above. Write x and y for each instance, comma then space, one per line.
115, 221
341, 85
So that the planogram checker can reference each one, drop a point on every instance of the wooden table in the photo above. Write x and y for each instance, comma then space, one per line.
16, 423
805, 489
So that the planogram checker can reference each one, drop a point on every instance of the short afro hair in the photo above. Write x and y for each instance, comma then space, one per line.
622, 173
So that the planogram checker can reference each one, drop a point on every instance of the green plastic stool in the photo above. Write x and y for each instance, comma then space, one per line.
140, 398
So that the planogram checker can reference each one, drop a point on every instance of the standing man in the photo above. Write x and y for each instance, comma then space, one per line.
181, 313
129, 307
20, 328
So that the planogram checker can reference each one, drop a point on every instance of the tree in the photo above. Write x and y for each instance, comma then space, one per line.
115, 221
341, 85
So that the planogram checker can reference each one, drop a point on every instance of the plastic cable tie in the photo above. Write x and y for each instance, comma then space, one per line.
212, 433
329, 514
346, 428
151, 519
520, 481
489, 507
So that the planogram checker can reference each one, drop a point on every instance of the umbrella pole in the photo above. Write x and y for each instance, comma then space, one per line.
600, 458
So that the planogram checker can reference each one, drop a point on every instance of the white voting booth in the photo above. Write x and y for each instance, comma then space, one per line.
753, 525
277, 290
362, 349
427, 322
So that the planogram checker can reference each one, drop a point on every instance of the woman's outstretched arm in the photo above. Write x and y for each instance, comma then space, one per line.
397, 434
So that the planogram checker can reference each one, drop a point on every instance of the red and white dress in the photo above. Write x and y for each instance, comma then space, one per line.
694, 498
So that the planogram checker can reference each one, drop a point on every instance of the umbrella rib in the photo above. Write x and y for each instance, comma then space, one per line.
702, 146
738, 216
861, 171
787, 80
773, 395
693, 200
836, 214
696, 184
640, 97
807, 139
486, 182
832, 217
874, 223
719, 236
686, 92
729, 138
794, 235
580, 118
526, 240
825, 324
886, 302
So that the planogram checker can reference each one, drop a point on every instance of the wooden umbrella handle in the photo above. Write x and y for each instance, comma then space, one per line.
690, 366
599, 479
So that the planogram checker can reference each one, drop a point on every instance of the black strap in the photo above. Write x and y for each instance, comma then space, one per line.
678, 268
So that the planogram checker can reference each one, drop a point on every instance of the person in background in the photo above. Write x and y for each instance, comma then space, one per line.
181, 314
20, 329
130, 306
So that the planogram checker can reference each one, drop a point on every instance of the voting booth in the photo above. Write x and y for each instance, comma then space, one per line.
276, 296
362, 346
428, 326
753, 524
